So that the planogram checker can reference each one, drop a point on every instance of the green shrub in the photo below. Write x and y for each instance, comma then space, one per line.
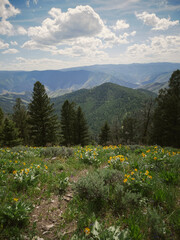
92, 187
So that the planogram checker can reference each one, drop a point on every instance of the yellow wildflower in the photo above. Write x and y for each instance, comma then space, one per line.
155, 158
147, 172
24, 163
14, 172
132, 173
128, 176
135, 169
15, 199
148, 150
150, 177
133, 178
125, 180
87, 231
46, 167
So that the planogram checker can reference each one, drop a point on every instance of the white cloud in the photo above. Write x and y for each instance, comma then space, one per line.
28, 2
10, 51
155, 22
3, 45
120, 24
6, 28
7, 9
159, 48
14, 43
77, 32
78, 22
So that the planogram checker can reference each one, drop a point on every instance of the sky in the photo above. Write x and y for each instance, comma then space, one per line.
57, 34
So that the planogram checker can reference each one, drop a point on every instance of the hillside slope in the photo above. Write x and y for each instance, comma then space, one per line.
106, 102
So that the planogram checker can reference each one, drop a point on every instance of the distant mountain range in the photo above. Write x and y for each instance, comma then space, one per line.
150, 76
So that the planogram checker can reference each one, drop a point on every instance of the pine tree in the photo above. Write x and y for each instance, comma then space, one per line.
43, 122
1, 123
68, 116
128, 132
81, 128
10, 134
20, 118
166, 130
104, 135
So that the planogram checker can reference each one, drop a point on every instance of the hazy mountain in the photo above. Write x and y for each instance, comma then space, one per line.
105, 102
59, 82
55, 81
7, 100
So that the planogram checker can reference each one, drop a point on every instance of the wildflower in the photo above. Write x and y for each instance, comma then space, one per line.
24, 163
133, 178
143, 154
147, 172
15, 199
38, 166
125, 180
155, 158
128, 176
16, 161
132, 173
109, 161
150, 177
46, 167
14, 172
135, 169
148, 150
3, 171
87, 231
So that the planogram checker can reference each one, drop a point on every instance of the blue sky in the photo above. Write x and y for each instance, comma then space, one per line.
56, 34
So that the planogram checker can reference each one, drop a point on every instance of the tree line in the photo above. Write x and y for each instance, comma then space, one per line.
39, 126
158, 122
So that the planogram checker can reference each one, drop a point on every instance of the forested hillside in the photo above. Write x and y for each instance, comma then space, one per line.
108, 102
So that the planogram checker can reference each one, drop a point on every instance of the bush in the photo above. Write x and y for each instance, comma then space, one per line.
92, 187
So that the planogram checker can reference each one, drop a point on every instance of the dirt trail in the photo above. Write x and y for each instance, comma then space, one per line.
48, 214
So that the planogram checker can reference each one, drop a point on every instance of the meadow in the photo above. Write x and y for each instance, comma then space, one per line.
95, 192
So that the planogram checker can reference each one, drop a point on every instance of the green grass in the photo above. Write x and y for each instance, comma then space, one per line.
127, 192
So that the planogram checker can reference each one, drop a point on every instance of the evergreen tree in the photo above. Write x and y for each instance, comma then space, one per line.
43, 122
128, 131
10, 134
166, 130
20, 118
1, 123
68, 116
104, 135
81, 128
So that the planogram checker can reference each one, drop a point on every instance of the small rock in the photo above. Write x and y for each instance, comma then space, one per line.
37, 238
48, 227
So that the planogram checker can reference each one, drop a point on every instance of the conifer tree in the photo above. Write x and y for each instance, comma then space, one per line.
68, 123
10, 134
43, 122
1, 123
128, 132
104, 135
81, 128
166, 130
20, 118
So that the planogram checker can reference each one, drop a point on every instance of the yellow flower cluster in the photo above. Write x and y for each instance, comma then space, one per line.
118, 157
133, 176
